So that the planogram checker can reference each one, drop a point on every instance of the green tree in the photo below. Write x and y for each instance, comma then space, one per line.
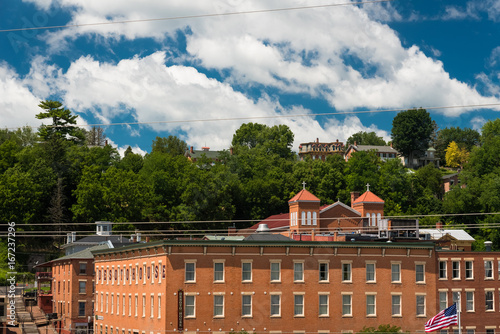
381, 329
490, 129
131, 161
366, 138
411, 133
394, 186
63, 122
170, 145
363, 167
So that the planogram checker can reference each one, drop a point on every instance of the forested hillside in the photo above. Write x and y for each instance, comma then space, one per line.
54, 179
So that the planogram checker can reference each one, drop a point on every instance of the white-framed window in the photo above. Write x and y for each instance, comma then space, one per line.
143, 305
246, 305
246, 271
107, 302
443, 300
323, 309
469, 269
346, 271
442, 270
309, 218
420, 305
275, 271
371, 306
117, 303
315, 218
488, 269
455, 295
303, 218
370, 272
489, 298
298, 305
190, 271
190, 306
469, 301
123, 305
81, 308
159, 306
152, 306
346, 305
323, 272
218, 306
420, 273
298, 271
112, 302
218, 271
396, 272
129, 305
396, 305
136, 304
455, 269
275, 305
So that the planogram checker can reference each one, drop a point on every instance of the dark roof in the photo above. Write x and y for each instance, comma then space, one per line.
83, 254
385, 149
117, 240
267, 237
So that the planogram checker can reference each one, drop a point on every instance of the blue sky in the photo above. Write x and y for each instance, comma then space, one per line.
337, 59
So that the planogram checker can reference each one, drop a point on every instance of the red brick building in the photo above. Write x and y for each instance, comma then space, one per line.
264, 286
72, 290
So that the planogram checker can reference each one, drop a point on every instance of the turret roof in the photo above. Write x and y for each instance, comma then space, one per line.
368, 197
304, 195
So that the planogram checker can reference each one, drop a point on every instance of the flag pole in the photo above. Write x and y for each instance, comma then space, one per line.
458, 311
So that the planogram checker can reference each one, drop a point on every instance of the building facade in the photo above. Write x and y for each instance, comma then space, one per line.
319, 151
275, 287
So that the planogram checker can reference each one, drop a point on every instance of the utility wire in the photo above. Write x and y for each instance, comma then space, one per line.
186, 17
485, 105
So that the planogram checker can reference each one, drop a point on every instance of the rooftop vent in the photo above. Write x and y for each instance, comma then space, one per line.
262, 228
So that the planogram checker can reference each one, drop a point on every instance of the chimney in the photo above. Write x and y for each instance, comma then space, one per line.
231, 230
231, 150
439, 225
191, 150
317, 140
354, 196
487, 246
147, 239
391, 144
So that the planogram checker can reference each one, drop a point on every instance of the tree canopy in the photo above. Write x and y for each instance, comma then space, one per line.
365, 138
411, 133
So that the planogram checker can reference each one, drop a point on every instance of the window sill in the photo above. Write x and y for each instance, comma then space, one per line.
218, 317
324, 316
247, 316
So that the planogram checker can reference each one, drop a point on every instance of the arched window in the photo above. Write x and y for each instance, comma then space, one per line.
308, 217
373, 219
315, 218
303, 218
368, 216
379, 217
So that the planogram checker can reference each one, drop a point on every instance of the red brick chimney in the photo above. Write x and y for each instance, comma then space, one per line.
354, 196
191, 150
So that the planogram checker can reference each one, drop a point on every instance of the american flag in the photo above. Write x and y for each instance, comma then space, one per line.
443, 319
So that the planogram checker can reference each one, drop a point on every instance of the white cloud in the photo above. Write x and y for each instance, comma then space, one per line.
477, 123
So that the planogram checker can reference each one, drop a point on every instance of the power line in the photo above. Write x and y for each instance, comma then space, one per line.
466, 106
185, 17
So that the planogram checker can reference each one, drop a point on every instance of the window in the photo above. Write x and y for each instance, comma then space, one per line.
298, 271
346, 305
323, 305
488, 269
275, 305
81, 309
298, 305
420, 305
159, 306
246, 271
107, 301
469, 272
83, 268
246, 305
470, 331
442, 270
129, 305
190, 272
275, 271
443, 300
143, 305
136, 304
490, 331
370, 305
82, 287
152, 312
370, 272
455, 295
488, 296
396, 272
123, 305
396, 305
420, 273
189, 307
218, 271
218, 306
469, 301
323, 271
346, 272
112, 302
455, 270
